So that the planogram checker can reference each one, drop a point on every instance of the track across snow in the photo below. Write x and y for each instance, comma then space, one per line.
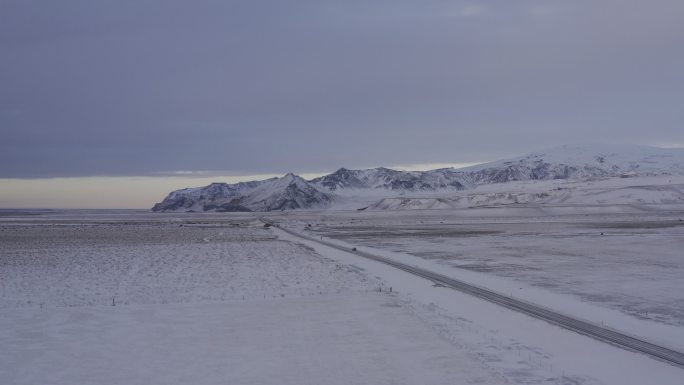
589, 329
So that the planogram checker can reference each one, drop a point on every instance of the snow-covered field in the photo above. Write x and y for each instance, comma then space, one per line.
623, 258
335, 339
201, 301
91, 264
518, 348
217, 298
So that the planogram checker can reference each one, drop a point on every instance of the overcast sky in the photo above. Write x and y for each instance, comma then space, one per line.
146, 88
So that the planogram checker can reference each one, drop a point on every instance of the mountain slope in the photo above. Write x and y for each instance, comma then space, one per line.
569, 162
214, 194
388, 179
579, 162
647, 190
288, 192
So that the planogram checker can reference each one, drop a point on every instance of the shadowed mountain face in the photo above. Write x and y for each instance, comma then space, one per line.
216, 197
287, 193
387, 179
292, 192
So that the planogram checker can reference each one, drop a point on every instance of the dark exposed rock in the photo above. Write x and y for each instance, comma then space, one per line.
287, 193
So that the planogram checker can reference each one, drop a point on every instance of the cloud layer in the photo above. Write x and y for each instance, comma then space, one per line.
140, 87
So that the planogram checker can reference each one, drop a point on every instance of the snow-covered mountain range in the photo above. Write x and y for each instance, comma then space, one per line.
386, 179
286, 193
393, 188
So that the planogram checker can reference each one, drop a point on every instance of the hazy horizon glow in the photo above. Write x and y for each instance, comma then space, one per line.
134, 192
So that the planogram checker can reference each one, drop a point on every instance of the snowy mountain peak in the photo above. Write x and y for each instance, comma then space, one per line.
580, 161
287, 192
576, 161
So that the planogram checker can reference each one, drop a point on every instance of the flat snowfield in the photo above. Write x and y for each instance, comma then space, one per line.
106, 300
625, 258
336, 339
97, 264
122, 297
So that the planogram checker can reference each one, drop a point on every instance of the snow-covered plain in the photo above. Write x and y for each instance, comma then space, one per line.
625, 258
202, 300
520, 349
217, 298
84, 264
335, 339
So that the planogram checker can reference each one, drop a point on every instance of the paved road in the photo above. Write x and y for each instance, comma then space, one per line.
589, 329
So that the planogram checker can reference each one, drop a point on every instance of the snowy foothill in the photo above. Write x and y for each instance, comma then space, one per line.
628, 190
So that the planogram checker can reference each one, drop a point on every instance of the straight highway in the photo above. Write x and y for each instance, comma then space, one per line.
568, 322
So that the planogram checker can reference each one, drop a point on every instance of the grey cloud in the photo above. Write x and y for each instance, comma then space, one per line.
139, 87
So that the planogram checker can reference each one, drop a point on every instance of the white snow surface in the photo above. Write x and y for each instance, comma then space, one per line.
662, 189
620, 265
383, 188
522, 349
291, 188
213, 299
202, 300
344, 339
89, 264
610, 158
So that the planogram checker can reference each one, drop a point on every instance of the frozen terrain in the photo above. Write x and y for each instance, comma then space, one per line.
521, 349
623, 258
84, 264
204, 301
218, 298
653, 190
337, 339
497, 184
